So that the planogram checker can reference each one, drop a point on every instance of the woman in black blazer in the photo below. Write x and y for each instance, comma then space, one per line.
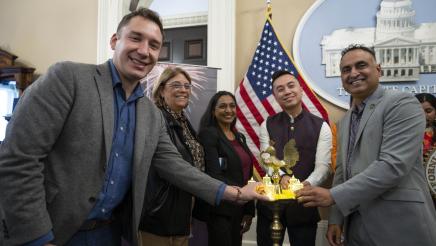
166, 215
228, 159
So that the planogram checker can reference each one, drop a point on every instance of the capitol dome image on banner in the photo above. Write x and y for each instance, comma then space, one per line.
402, 33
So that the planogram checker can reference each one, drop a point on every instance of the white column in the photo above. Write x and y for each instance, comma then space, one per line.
404, 55
110, 13
391, 58
221, 42
386, 56
399, 55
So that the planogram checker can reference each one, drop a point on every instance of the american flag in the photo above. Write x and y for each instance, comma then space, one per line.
254, 94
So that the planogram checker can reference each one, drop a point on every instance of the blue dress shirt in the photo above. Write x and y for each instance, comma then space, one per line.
119, 168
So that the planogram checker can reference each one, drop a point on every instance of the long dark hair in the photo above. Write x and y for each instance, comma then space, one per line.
427, 97
208, 119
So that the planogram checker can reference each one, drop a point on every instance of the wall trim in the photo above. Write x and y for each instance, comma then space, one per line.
185, 20
221, 42
109, 14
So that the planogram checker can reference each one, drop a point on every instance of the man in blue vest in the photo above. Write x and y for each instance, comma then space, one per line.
313, 141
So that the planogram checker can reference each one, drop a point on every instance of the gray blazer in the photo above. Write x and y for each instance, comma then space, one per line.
53, 159
388, 186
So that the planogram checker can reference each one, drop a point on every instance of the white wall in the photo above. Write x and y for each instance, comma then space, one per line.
42, 32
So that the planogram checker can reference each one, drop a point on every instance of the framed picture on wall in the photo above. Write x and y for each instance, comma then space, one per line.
193, 49
165, 52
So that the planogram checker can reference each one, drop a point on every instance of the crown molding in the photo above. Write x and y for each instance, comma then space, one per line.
185, 20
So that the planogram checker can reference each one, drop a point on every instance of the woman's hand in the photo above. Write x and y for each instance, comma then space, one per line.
245, 194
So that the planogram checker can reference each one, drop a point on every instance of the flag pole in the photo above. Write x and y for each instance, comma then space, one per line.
269, 8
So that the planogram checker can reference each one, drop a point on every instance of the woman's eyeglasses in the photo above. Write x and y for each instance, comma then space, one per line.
178, 86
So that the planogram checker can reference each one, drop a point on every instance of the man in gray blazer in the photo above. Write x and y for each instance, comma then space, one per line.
379, 194
80, 143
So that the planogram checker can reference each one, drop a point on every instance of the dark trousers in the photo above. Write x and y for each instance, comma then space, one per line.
108, 235
299, 235
224, 230
199, 233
